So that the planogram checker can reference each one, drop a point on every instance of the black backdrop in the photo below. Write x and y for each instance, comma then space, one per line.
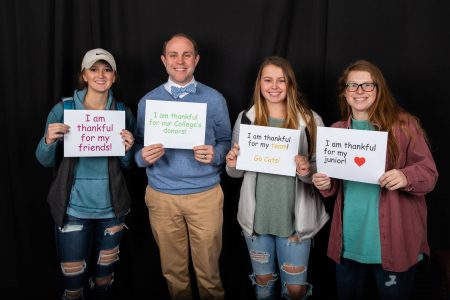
42, 44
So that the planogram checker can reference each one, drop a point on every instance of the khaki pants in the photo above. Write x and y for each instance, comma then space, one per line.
188, 223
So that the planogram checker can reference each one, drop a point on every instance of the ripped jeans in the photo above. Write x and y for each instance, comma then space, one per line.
80, 240
270, 254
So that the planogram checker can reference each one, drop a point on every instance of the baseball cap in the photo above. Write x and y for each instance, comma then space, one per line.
94, 55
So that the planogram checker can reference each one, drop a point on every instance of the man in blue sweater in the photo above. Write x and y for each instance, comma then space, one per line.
183, 196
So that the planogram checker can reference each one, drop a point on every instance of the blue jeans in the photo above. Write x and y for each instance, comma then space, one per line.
352, 277
79, 240
271, 254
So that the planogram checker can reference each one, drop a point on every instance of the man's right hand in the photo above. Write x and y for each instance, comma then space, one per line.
152, 153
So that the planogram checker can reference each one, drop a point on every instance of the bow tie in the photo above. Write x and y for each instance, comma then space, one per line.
177, 91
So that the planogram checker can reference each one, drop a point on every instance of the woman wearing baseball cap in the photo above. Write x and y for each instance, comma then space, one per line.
88, 198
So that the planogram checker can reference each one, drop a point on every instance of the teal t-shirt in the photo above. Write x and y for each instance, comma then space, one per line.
361, 230
275, 194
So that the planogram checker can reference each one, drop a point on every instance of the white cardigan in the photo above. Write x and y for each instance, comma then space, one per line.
310, 214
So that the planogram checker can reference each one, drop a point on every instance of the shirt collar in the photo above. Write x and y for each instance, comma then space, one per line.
170, 83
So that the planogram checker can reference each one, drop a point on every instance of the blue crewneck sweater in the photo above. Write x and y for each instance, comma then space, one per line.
177, 172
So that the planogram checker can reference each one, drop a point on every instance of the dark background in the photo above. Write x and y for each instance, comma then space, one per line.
43, 42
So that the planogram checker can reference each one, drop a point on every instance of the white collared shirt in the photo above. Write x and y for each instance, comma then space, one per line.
170, 83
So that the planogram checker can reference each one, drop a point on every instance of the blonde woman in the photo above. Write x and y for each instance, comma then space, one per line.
279, 214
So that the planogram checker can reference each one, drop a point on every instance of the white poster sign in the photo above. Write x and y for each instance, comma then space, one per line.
351, 154
178, 125
94, 133
268, 149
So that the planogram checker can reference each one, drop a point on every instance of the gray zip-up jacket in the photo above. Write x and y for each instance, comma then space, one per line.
310, 214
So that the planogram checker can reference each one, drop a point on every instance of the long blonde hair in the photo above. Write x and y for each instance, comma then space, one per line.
295, 103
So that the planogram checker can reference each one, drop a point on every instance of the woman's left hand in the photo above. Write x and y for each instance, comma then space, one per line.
393, 180
302, 165
128, 139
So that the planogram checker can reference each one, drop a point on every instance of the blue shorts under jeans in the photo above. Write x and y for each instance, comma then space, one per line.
269, 253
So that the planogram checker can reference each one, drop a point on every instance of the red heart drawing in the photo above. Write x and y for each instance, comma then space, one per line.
360, 161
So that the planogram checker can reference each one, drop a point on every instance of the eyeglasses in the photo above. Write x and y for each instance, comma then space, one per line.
366, 86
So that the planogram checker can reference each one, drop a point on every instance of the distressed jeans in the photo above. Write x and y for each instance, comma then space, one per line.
79, 240
270, 254
352, 281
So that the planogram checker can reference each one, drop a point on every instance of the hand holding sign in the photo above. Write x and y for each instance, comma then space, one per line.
204, 153
321, 181
152, 153
55, 131
232, 155
302, 165
393, 179
128, 139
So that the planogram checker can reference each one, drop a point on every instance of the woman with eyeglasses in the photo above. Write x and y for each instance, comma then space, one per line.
379, 231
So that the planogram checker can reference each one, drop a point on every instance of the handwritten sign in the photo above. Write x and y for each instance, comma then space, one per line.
178, 125
268, 149
94, 133
350, 154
